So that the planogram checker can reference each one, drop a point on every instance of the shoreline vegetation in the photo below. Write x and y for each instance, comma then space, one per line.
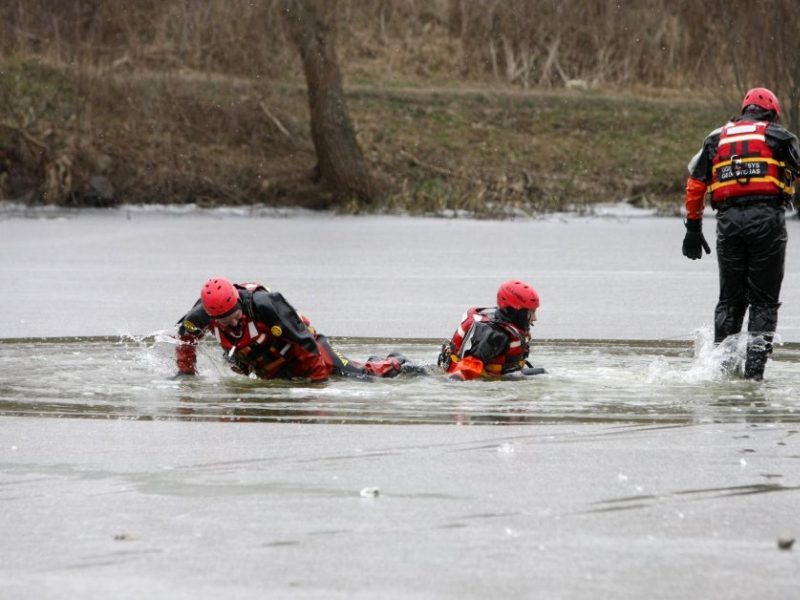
457, 105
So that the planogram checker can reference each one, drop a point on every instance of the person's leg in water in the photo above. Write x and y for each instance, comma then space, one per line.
732, 260
394, 364
767, 237
341, 365
395, 360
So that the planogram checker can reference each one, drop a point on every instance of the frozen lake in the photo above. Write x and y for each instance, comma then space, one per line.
136, 272
165, 509
631, 470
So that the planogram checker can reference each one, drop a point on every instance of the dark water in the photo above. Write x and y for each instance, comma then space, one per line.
587, 382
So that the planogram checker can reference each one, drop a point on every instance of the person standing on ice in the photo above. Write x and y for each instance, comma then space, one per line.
748, 167
263, 335
492, 342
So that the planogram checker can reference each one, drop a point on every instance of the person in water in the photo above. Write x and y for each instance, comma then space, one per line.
263, 335
492, 342
748, 168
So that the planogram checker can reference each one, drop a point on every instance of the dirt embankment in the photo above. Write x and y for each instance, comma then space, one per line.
493, 108
99, 137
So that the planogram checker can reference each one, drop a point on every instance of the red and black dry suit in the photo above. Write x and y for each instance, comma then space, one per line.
272, 341
748, 167
487, 343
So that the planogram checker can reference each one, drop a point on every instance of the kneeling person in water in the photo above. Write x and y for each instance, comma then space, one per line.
262, 334
492, 342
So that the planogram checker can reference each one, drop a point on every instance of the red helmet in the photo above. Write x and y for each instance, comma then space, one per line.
764, 98
517, 294
219, 296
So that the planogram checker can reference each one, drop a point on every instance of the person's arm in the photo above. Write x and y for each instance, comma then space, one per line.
785, 146
481, 344
793, 155
700, 176
793, 163
695, 199
191, 328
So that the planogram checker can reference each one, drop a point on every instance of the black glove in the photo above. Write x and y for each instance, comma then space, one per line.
694, 240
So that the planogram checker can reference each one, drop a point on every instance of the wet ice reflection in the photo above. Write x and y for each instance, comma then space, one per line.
587, 381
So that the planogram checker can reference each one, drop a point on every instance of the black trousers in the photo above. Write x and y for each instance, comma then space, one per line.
751, 251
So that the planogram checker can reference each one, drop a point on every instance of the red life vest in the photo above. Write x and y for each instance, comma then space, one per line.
258, 349
512, 360
744, 164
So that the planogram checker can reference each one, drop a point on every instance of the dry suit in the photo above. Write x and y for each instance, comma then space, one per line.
747, 167
273, 341
489, 342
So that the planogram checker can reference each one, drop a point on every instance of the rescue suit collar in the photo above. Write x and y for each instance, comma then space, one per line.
756, 113
516, 316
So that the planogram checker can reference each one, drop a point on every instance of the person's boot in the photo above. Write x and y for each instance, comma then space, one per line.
406, 366
754, 366
393, 365
758, 351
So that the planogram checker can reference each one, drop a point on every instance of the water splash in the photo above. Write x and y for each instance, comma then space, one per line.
714, 362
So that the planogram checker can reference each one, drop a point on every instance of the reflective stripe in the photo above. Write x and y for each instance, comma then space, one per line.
742, 138
217, 335
252, 329
754, 159
461, 331
515, 344
741, 129
786, 189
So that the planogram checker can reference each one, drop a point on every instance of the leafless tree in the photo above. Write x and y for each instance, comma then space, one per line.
767, 54
311, 26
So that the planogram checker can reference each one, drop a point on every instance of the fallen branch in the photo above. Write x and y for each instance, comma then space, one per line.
275, 120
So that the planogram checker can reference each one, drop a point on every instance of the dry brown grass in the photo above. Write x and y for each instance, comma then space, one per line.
485, 105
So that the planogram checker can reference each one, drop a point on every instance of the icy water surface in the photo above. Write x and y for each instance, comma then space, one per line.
132, 272
632, 470
587, 381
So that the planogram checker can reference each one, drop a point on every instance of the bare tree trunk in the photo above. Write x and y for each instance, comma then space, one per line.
311, 26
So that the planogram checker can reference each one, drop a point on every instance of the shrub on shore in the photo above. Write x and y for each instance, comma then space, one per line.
458, 106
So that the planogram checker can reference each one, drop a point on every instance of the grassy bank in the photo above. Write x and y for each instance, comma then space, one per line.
67, 134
